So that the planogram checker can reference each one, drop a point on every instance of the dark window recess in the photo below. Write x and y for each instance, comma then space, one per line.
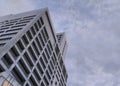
36, 27
18, 75
33, 31
53, 60
55, 83
32, 53
33, 82
2, 44
1, 31
39, 24
44, 57
48, 75
61, 62
57, 78
27, 84
50, 45
41, 39
37, 75
16, 29
42, 84
64, 71
51, 65
1, 68
29, 35
20, 45
39, 44
4, 39
50, 69
14, 52
18, 25
46, 33
49, 49
42, 62
24, 67
4, 28
48, 56
35, 48
54, 57
57, 49
22, 22
46, 81
25, 40
27, 58
40, 69
7, 60
8, 34
43, 36
59, 68
41, 20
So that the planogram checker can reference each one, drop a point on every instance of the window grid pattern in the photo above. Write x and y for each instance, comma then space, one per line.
33, 60
9, 28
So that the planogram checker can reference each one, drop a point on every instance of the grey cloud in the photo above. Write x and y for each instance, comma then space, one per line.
92, 28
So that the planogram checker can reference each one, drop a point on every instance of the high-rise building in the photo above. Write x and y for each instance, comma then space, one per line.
31, 54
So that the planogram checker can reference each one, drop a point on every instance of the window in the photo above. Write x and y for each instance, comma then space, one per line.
38, 43
18, 75
32, 81
41, 39
39, 24
48, 75
4, 39
37, 75
2, 44
25, 40
51, 64
36, 27
29, 35
49, 49
1, 68
21, 25
14, 52
49, 68
44, 57
42, 62
4, 28
32, 53
46, 51
57, 49
46, 81
42, 84
27, 58
35, 48
24, 67
32, 30
20, 45
40, 69
16, 29
8, 34
46, 33
43, 36
41, 20
7, 60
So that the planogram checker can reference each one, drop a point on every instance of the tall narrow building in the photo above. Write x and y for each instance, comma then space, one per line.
31, 54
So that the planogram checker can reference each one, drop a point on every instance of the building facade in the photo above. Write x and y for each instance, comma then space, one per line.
30, 51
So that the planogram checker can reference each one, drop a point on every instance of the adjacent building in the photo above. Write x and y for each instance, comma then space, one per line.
31, 54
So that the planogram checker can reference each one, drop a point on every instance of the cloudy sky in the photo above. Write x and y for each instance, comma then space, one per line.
93, 33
